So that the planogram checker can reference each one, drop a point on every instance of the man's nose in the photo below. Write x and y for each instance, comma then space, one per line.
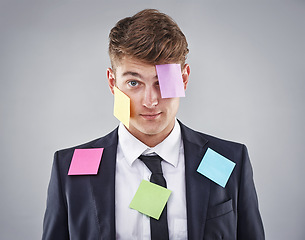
150, 99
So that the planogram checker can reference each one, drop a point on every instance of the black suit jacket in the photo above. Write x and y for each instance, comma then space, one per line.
83, 207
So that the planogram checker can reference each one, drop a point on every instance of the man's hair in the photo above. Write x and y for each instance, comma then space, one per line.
149, 36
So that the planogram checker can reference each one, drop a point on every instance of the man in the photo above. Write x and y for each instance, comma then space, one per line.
99, 206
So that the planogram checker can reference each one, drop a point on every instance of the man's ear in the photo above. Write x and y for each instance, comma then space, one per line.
185, 75
111, 79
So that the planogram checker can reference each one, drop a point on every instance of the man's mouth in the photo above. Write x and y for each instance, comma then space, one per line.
150, 116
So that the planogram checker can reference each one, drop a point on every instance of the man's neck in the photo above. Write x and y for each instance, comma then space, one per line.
152, 140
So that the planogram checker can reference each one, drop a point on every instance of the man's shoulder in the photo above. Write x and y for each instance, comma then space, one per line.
216, 143
101, 142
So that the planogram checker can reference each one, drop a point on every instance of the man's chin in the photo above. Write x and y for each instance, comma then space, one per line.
146, 129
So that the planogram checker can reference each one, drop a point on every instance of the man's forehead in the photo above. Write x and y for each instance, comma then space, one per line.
136, 68
129, 61
133, 62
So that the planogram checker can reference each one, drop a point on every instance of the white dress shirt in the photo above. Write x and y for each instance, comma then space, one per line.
130, 171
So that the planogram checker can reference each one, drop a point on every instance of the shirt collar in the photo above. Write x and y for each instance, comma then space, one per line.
168, 149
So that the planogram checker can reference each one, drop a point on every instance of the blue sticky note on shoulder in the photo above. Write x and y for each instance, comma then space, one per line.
216, 167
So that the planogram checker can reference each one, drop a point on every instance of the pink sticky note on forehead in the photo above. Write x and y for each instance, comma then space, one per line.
85, 161
170, 80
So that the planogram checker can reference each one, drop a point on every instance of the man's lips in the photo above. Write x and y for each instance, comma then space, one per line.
150, 116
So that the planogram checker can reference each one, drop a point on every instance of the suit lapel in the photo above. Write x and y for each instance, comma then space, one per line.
197, 186
103, 186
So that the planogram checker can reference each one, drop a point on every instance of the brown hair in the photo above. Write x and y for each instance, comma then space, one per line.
150, 36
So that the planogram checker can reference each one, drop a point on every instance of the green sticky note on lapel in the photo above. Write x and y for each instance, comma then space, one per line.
216, 167
150, 199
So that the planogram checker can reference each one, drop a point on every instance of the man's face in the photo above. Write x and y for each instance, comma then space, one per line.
152, 118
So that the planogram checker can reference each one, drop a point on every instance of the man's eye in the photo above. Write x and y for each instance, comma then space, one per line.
133, 83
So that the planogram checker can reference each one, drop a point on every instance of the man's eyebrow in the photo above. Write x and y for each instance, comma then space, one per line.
135, 74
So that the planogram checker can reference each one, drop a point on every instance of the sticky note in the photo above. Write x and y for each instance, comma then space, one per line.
150, 199
216, 167
170, 80
85, 161
121, 106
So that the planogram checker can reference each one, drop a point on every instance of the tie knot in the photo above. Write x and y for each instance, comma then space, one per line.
153, 163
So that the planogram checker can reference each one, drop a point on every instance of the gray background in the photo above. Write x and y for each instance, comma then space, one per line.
247, 85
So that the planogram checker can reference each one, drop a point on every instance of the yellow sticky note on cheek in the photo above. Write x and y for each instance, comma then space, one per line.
121, 106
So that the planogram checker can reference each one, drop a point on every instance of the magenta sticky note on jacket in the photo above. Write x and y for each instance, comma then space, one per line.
85, 161
170, 80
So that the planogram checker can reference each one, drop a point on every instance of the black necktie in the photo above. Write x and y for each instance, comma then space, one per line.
158, 228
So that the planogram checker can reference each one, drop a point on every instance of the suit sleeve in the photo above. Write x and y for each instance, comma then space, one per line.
250, 224
55, 224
